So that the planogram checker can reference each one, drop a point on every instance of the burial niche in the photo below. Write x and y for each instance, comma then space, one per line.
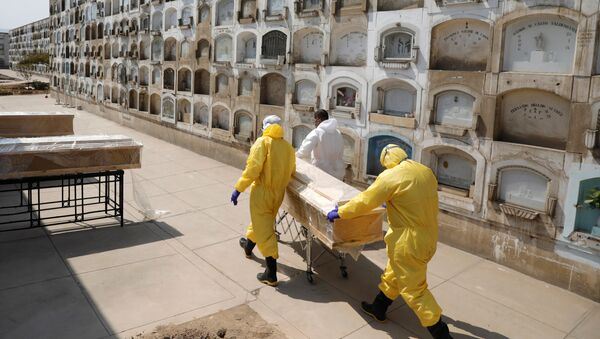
455, 171
535, 117
460, 44
168, 109
305, 93
350, 49
309, 46
223, 46
220, 118
523, 187
225, 12
540, 43
201, 114
243, 127
454, 108
376, 145
272, 89
395, 98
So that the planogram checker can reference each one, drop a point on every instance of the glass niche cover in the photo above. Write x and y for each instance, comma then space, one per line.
524, 188
454, 108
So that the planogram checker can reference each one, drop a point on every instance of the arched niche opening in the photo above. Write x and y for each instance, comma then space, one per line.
308, 46
133, 98
243, 128
222, 85
248, 11
246, 50
245, 86
225, 11
115, 50
540, 43
143, 102
202, 49
204, 15
396, 45
523, 187
168, 109
170, 49
144, 77
184, 50
169, 79
273, 89
534, 117
201, 114
299, 133
223, 48
275, 8
114, 96
184, 78
349, 48
455, 171
460, 44
274, 46
395, 98
156, 76
187, 17
305, 93
201, 82
157, 49
220, 118
99, 92
454, 108
376, 145
170, 18
184, 111
144, 49
157, 21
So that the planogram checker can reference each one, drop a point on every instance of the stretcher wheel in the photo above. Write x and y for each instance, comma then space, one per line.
309, 277
344, 272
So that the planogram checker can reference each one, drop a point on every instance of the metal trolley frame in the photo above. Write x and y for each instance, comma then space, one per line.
304, 236
82, 197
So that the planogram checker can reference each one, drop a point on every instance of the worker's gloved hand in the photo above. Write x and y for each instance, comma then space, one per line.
384, 205
234, 197
333, 214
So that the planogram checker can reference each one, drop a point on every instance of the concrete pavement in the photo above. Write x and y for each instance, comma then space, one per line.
90, 281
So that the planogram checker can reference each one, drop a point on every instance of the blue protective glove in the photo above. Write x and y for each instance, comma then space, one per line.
384, 205
333, 214
234, 197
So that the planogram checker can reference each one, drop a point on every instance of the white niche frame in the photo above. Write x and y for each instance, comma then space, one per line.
430, 112
397, 63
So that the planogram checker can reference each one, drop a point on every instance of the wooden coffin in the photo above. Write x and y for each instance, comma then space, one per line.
312, 193
20, 124
32, 157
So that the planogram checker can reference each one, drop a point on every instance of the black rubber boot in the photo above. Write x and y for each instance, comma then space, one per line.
248, 246
378, 308
439, 330
269, 276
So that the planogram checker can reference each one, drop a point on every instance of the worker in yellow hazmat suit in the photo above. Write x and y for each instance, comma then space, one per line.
269, 168
409, 190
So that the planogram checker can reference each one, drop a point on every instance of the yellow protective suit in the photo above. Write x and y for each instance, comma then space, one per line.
269, 168
410, 191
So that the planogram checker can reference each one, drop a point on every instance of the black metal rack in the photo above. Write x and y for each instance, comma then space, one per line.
57, 200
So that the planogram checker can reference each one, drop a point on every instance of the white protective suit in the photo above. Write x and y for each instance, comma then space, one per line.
325, 145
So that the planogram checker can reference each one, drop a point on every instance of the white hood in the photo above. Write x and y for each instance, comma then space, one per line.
329, 125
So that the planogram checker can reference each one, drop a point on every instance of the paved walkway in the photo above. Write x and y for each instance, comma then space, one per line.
111, 281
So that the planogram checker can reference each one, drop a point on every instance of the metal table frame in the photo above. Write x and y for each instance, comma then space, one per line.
304, 236
83, 197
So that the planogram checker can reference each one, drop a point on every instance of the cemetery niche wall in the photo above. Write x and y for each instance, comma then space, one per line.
488, 94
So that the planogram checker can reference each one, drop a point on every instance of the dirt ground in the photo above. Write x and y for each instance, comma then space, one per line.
239, 322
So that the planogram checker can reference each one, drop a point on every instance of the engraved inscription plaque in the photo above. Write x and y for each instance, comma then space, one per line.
462, 44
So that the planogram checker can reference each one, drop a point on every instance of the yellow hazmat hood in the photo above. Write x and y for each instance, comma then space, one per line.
392, 155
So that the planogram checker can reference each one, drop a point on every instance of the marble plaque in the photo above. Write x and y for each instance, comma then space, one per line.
461, 44
455, 171
535, 117
524, 188
225, 13
398, 102
454, 108
540, 44
311, 47
350, 49
306, 92
168, 110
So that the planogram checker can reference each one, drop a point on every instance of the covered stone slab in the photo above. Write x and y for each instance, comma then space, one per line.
34, 124
312, 193
32, 157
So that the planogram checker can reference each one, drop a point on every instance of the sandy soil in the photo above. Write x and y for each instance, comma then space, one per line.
237, 322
